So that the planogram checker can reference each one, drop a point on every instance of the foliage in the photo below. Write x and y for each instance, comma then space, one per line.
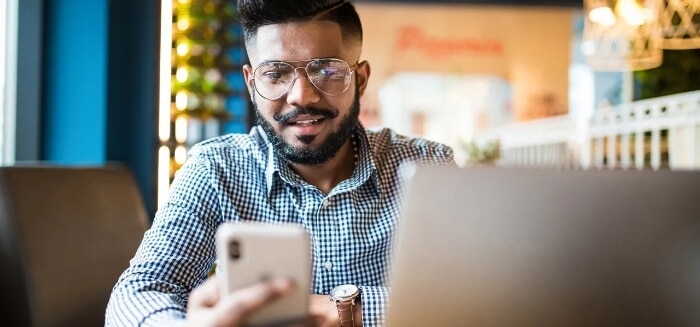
486, 154
680, 72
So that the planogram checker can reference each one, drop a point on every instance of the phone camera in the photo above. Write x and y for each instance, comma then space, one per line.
234, 249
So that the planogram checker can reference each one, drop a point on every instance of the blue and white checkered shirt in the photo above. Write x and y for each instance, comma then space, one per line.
239, 177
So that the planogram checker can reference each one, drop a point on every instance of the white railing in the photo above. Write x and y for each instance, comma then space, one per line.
655, 133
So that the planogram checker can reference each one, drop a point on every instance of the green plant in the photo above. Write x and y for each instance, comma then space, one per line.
486, 154
680, 72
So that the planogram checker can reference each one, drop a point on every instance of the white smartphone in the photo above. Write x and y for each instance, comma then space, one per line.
250, 252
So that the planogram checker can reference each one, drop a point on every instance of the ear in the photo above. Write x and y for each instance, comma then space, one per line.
248, 76
362, 71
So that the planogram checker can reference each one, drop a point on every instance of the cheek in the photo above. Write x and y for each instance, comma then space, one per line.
344, 101
266, 108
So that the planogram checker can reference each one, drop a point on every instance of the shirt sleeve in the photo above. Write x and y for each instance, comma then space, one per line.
374, 301
438, 154
174, 256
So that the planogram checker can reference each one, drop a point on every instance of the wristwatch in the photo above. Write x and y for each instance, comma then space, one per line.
344, 297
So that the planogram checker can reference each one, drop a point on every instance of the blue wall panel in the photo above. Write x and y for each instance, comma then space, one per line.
132, 104
75, 106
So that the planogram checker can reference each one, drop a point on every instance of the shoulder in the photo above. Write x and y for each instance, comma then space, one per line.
231, 148
387, 142
222, 162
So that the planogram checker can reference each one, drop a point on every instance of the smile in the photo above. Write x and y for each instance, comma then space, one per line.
306, 122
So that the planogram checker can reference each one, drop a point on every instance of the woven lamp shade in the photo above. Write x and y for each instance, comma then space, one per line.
680, 21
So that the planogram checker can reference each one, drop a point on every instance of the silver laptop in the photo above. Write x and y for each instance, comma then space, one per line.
520, 247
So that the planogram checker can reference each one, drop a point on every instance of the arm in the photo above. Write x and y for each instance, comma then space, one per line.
369, 311
174, 256
374, 299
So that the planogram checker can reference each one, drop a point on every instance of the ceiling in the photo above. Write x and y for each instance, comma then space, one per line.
556, 3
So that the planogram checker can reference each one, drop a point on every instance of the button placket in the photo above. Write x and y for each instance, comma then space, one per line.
326, 265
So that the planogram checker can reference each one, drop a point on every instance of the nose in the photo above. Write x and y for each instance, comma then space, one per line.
303, 92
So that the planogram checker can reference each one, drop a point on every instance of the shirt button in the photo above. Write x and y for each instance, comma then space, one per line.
328, 265
326, 203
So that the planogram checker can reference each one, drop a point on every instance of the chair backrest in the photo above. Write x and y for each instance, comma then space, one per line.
66, 234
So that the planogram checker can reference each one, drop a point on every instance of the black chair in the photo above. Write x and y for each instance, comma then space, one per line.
66, 234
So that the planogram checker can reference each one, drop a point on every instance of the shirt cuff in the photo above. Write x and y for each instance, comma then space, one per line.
167, 317
373, 300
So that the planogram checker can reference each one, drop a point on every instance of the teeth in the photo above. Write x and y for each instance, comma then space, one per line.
306, 122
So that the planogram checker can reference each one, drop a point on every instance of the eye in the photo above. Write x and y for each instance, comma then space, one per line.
330, 72
274, 73
328, 69
272, 76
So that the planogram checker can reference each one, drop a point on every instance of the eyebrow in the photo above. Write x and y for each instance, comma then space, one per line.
296, 61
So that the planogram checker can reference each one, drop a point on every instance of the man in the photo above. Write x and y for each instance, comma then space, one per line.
308, 161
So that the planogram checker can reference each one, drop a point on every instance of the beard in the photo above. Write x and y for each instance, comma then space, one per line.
309, 155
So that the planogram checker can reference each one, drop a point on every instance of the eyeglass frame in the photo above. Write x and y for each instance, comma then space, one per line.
352, 68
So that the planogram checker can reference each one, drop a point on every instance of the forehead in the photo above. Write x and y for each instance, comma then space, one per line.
298, 41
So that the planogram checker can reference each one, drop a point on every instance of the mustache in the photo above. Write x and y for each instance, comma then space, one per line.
298, 111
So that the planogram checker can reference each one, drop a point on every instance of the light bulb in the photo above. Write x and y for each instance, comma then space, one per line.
181, 100
631, 11
181, 129
602, 15
183, 23
182, 74
180, 155
183, 49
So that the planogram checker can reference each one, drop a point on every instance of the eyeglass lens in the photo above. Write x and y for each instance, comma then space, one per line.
330, 76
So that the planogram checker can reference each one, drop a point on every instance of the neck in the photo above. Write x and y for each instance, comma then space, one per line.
327, 175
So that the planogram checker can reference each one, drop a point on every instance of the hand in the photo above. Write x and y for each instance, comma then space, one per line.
325, 313
206, 308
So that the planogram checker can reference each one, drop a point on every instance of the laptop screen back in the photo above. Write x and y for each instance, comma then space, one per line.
519, 247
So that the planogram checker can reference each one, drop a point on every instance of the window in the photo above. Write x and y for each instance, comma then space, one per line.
8, 73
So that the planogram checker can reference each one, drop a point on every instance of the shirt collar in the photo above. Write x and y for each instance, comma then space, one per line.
274, 169
366, 168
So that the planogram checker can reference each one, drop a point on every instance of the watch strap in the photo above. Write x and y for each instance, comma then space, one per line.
346, 313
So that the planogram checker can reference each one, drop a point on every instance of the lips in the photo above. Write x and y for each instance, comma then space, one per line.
306, 125
305, 115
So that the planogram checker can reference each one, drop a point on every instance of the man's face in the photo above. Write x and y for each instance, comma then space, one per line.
305, 125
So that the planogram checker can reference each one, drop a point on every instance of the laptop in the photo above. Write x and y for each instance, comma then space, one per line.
536, 247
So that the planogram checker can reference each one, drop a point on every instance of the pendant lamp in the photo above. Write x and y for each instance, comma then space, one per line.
680, 22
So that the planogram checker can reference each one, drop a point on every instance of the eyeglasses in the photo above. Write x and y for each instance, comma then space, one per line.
330, 76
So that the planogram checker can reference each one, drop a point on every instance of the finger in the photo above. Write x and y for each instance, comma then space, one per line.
306, 322
207, 294
245, 301
318, 320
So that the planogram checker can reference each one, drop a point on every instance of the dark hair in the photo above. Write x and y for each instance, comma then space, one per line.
256, 13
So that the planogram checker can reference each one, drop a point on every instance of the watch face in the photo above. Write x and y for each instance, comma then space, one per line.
344, 292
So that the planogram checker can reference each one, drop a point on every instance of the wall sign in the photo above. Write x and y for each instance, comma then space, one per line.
414, 38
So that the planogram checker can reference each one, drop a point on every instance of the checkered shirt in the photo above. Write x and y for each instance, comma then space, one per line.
238, 177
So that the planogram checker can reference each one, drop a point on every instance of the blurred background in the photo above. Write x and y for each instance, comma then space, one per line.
594, 84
